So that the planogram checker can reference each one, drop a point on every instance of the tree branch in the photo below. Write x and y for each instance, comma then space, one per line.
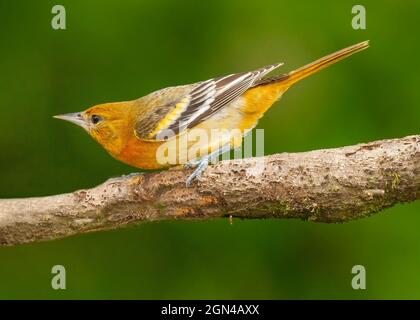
333, 185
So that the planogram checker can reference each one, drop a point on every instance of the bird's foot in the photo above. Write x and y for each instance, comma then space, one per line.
201, 166
202, 163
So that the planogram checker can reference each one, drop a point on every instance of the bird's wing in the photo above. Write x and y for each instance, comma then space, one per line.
197, 104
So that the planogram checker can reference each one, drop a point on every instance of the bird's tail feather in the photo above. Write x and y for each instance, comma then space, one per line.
298, 74
288, 79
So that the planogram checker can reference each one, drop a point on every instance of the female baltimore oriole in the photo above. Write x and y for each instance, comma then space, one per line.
144, 131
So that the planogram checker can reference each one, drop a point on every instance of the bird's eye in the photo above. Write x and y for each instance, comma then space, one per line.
95, 119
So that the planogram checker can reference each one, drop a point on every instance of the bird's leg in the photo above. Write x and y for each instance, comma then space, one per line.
197, 172
202, 163
192, 163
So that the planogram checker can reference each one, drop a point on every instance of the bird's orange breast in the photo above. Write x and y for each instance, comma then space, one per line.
141, 154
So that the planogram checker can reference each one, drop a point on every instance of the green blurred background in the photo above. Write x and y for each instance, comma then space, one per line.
121, 50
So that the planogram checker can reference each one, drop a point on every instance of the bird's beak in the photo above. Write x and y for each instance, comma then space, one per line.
75, 118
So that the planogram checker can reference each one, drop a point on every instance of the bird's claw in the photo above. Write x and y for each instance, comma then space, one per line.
131, 175
201, 166
123, 177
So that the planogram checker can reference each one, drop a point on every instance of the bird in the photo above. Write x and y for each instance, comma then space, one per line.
154, 131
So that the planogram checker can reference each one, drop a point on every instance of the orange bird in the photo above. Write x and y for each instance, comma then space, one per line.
155, 131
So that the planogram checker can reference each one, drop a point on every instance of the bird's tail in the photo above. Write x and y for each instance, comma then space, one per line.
324, 62
273, 88
286, 80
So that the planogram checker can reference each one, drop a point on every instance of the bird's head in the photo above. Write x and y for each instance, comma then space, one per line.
109, 124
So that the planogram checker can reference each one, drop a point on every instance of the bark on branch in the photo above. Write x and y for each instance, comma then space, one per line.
333, 185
